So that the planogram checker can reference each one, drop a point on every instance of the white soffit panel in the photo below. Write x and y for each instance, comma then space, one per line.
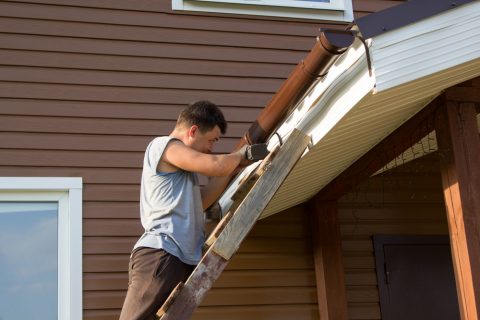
428, 46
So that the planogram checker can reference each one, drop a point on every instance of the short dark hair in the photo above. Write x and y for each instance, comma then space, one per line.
205, 114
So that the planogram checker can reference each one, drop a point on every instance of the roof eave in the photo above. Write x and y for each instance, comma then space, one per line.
403, 14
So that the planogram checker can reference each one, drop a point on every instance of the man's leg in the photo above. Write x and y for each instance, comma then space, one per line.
153, 274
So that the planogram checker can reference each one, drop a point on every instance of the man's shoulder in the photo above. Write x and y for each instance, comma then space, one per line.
163, 141
160, 139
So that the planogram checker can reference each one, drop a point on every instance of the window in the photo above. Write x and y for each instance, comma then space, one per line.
41, 248
328, 10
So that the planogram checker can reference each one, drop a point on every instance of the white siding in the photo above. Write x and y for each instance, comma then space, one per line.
421, 49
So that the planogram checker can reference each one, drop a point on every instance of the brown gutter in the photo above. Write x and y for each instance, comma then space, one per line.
330, 44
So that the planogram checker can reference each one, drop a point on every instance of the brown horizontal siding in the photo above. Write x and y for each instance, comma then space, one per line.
93, 175
85, 85
157, 35
149, 10
105, 244
137, 79
246, 261
158, 14
218, 297
105, 110
105, 143
404, 200
111, 210
68, 158
274, 266
266, 312
229, 279
131, 227
148, 49
31, 90
287, 280
85, 61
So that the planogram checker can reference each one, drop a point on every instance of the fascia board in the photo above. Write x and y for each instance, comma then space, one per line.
427, 47
348, 88
341, 97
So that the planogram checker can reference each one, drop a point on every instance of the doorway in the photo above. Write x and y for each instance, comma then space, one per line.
415, 278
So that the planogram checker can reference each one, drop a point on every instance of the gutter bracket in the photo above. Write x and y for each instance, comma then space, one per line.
367, 50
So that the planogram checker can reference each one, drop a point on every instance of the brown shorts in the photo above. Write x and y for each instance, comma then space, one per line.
152, 275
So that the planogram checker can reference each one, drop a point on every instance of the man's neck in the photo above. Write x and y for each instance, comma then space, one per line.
179, 134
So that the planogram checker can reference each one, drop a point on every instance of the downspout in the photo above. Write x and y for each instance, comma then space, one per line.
328, 47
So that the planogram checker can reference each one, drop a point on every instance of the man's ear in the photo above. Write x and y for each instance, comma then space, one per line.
193, 131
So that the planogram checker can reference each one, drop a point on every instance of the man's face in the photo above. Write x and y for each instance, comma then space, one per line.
203, 142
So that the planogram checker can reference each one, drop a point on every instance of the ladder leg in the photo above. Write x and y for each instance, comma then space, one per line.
192, 293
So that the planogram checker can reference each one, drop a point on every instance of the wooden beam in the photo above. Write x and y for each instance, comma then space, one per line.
329, 271
381, 154
459, 155
466, 94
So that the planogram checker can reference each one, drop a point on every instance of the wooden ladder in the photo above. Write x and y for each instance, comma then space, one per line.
250, 200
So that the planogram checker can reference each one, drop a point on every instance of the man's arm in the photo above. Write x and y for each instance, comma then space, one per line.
213, 190
219, 167
213, 165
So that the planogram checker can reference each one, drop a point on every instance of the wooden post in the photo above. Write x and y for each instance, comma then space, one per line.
331, 293
459, 153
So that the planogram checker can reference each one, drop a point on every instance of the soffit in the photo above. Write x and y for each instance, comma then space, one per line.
370, 121
350, 111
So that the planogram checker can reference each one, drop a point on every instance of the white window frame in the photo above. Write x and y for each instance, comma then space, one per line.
67, 192
335, 10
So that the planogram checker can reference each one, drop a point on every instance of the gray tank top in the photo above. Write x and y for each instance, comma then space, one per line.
170, 208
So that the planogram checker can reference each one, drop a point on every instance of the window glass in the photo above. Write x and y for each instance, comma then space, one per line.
28, 260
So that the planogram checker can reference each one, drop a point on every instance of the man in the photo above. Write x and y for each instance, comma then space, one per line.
172, 205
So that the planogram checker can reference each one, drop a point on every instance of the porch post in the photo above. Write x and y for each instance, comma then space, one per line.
329, 272
459, 154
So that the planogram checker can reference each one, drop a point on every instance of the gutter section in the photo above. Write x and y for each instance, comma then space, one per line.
330, 44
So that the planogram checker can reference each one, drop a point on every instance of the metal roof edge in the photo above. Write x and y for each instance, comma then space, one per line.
404, 14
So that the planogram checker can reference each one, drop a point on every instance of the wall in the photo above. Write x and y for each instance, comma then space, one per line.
405, 200
85, 85
272, 275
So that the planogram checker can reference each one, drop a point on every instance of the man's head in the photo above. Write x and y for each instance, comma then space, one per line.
203, 122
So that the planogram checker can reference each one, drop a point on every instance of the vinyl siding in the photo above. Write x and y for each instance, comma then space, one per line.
85, 85
272, 273
405, 200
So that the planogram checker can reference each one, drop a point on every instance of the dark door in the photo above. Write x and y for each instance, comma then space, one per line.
415, 278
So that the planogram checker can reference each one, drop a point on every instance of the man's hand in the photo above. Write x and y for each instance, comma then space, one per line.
252, 153
256, 152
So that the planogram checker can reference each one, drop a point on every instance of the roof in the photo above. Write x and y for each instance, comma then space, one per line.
349, 111
398, 16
